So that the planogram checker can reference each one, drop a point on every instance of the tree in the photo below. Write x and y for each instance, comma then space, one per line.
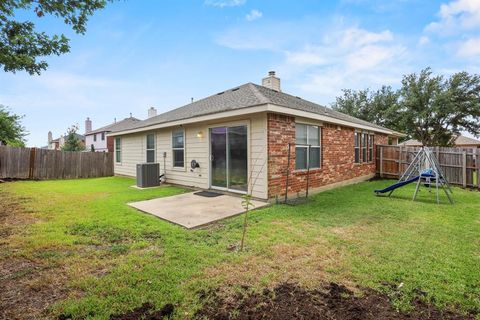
11, 130
72, 142
379, 107
21, 46
428, 108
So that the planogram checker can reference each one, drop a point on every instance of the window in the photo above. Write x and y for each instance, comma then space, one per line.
357, 147
150, 147
364, 147
178, 148
307, 135
95, 137
118, 150
370, 147
103, 136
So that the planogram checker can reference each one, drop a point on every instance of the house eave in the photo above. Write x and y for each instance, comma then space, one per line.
257, 109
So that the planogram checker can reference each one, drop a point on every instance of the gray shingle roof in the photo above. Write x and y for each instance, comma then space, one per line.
124, 124
79, 137
244, 96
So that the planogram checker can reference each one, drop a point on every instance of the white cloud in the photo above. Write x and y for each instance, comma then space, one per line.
253, 15
456, 16
349, 58
469, 48
357, 48
359, 37
225, 3
424, 40
321, 60
309, 56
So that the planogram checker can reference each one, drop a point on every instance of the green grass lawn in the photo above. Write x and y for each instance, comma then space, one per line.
80, 239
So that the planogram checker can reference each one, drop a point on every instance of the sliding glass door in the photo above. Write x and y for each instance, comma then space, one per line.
229, 158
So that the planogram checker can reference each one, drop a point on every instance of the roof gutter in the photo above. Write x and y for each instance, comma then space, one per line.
256, 109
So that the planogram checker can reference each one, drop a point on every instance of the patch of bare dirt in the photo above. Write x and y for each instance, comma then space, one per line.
146, 311
290, 301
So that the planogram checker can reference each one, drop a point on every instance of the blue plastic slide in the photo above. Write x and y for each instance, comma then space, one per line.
397, 185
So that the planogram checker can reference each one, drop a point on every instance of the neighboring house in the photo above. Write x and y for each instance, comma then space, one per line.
460, 142
98, 138
57, 144
240, 138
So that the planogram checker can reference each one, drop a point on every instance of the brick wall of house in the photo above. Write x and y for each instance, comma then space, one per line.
110, 144
337, 157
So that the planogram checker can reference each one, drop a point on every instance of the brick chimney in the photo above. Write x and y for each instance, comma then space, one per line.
88, 125
152, 112
50, 137
271, 81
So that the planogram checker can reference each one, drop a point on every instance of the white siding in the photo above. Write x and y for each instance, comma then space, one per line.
99, 145
132, 152
197, 148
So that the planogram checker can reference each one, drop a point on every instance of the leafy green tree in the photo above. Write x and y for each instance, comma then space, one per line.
11, 130
434, 109
72, 142
379, 107
429, 108
22, 46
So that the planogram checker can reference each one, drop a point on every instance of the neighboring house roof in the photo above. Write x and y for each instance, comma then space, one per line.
245, 96
411, 143
79, 136
459, 141
466, 141
124, 124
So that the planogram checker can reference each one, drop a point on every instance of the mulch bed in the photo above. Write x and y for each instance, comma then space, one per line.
289, 301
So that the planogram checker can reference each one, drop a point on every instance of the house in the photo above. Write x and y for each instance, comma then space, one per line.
460, 142
97, 140
57, 144
238, 140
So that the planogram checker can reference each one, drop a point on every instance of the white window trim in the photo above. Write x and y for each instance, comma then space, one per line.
154, 147
306, 146
116, 149
359, 147
364, 147
371, 144
173, 149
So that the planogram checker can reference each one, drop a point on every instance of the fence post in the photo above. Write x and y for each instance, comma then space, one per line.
478, 168
381, 161
464, 168
400, 162
31, 168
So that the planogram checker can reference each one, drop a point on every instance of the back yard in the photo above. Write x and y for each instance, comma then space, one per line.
73, 249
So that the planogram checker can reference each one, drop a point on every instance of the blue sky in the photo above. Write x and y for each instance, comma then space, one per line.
137, 54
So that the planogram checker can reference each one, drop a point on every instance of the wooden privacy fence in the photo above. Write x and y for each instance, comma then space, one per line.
33, 163
460, 166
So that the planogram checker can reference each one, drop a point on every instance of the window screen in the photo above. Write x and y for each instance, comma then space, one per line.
150, 148
178, 148
307, 135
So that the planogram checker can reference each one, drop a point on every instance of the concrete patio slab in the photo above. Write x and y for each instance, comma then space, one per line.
191, 211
